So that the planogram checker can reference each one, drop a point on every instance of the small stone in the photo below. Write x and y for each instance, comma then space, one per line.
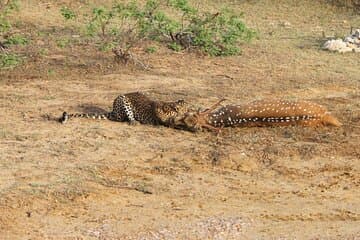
336, 45
351, 45
40, 42
286, 24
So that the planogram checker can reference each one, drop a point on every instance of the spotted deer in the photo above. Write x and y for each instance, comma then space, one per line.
257, 113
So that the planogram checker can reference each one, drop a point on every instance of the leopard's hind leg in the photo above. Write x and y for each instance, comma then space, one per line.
122, 110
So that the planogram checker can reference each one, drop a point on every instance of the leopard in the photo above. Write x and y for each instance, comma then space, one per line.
137, 108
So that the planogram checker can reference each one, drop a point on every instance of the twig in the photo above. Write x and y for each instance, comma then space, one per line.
125, 57
3, 48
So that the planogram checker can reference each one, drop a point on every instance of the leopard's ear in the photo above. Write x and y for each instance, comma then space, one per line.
180, 101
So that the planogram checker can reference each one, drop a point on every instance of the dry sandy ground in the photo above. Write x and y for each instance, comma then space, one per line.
106, 180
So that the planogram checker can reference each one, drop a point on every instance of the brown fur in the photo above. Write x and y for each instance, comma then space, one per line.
259, 113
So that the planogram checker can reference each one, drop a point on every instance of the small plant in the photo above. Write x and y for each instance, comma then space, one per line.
43, 51
101, 18
107, 46
16, 40
175, 46
217, 34
50, 72
150, 49
62, 43
67, 13
9, 60
125, 56
6, 6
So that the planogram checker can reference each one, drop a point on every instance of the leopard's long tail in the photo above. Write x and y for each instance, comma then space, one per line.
66, 116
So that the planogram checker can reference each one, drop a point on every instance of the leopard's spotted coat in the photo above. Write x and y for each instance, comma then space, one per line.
136, 107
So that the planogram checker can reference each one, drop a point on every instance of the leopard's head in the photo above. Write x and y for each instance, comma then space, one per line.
195, 120
167, 111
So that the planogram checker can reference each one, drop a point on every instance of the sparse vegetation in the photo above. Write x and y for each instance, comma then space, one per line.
217, 34
16, 40
174, 46
151, 49
100, 19
62, 43
67, 13
124, 25
106, 46
6, 6
8, 60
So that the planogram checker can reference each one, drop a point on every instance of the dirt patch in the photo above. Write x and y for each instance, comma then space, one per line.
105, 180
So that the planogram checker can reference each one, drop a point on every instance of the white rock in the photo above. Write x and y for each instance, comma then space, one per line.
334, 45
344, 50
350, 43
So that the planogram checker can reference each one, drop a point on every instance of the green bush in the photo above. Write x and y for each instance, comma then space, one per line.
67, 13
174, 46
151, 49
101, 18
63, 42
6, 6
106, 46
8, 60
16, 40
217, 34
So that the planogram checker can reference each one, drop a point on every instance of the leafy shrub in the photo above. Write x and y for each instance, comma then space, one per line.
174, 46
6, 6
8, 60
106, 46
217, 34
16, 40
63, 42
67, 13
151, 49
101, 18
